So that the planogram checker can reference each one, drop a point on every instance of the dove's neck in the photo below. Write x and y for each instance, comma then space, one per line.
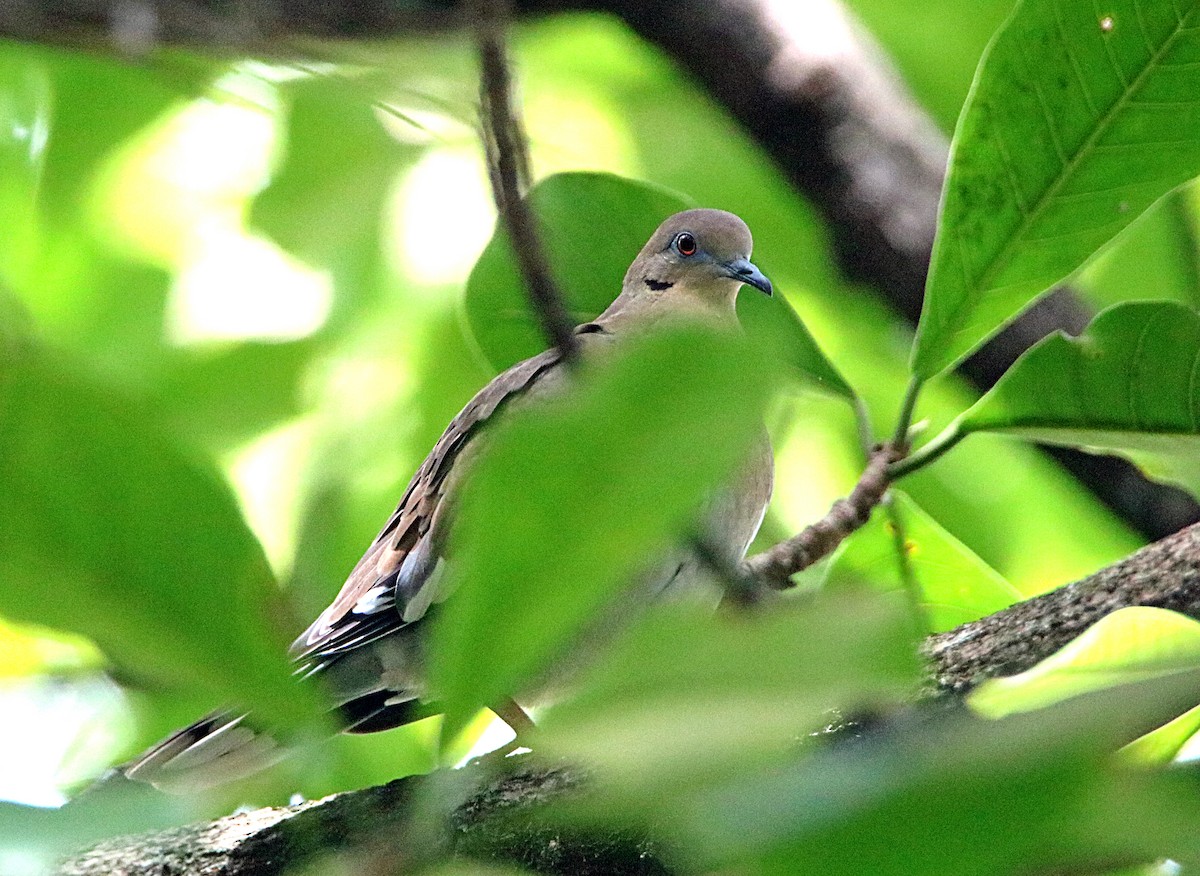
640, 308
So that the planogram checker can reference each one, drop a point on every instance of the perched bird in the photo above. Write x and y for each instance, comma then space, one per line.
367, 645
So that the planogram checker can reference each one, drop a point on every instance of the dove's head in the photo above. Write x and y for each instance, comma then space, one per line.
701, 255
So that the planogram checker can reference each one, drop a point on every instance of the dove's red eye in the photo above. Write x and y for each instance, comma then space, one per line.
685, 243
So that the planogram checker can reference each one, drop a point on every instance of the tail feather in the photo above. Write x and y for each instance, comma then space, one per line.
211, 752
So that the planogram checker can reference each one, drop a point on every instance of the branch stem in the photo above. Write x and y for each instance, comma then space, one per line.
927, 453
900, 437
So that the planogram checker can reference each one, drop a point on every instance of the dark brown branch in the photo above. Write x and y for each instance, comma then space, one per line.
508, 164
776, 565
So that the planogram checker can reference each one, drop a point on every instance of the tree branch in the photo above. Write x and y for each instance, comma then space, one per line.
776, 565
1165, 574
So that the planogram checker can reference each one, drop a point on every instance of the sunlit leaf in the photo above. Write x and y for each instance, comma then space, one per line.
1164, 744
1128, 645
572, 499
1080, 118
953, 584
592, 226
1129, 385
26, 650
113, 531
729, 689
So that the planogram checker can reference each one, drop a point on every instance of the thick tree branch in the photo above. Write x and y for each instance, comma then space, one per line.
1165, 574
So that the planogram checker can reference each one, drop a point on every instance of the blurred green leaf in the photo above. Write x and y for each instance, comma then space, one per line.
40, 838
25, 106
570, 501
956, 796
1162, 745
1128, 385
225, 395
113, 531
727, 690
1080, 118
592, 226
27, 650
1128, 645
953, 584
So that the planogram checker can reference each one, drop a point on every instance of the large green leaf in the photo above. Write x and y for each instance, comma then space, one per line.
572, 499
592, 226
112, 530
1129, 385
1029, 793
953, 584
1081, 116
728, 689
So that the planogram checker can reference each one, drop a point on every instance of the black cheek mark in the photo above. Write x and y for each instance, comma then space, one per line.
658, 285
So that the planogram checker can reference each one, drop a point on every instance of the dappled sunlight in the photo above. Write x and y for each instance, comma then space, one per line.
441, 217
804, 491
176, 195
66, 730
263, 475
197, 165
237, 287
571, 128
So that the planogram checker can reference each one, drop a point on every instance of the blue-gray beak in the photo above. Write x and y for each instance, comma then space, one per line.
745, 271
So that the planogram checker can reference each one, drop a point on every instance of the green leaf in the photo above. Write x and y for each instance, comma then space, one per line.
1128, 645
571, 499
774, 324
728, 689
954, 796
37, 839
1129, 385
1163, 745
25, 98
953, 584
592, 226
1165, 237
112, 530
1080, 118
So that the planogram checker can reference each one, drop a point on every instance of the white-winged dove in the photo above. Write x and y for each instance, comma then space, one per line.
367, 645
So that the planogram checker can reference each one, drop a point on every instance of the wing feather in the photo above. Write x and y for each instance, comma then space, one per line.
404, 555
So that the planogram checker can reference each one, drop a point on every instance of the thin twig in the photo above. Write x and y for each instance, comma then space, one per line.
508, 166
776, 566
